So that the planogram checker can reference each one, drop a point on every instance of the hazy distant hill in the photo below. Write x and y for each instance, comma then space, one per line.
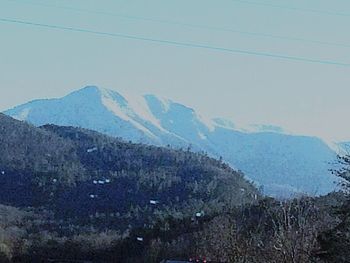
280, 162
81, 173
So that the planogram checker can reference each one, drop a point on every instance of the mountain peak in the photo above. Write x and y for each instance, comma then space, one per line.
87, 90
260, 151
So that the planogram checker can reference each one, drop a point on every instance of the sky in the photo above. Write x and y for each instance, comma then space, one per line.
278, 62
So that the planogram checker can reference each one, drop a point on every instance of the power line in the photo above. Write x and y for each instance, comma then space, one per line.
189, 25
178, 43
330, 13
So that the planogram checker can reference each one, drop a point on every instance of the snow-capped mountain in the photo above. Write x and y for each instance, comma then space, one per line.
279, 162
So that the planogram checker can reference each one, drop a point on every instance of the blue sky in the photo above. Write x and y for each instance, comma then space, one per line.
303, 97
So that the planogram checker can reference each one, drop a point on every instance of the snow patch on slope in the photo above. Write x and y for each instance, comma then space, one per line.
202, 136
23, 115
139, 106
120, 111
206, 121
165, 103
266, 128
224, 123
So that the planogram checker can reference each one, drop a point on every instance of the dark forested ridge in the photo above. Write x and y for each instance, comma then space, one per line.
68, 168
74, 195
79, 179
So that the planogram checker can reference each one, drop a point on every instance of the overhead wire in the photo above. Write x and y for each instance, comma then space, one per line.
189, 25
300, 9
176, 43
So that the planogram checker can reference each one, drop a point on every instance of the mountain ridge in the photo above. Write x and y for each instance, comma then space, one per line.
81, 173
271, 157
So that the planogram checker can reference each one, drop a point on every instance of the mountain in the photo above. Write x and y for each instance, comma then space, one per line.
77, 173
281, 163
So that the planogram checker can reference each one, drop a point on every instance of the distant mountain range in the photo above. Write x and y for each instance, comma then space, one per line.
281, 163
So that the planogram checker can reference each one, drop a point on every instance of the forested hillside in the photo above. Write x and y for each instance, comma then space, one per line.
70, 194
77, 179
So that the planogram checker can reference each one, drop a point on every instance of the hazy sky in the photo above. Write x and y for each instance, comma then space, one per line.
303, 97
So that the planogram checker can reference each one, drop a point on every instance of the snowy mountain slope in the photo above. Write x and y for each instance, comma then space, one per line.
97, 109
281, 163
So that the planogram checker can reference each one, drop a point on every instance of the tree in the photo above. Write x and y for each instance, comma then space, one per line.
295, 225
335, 243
